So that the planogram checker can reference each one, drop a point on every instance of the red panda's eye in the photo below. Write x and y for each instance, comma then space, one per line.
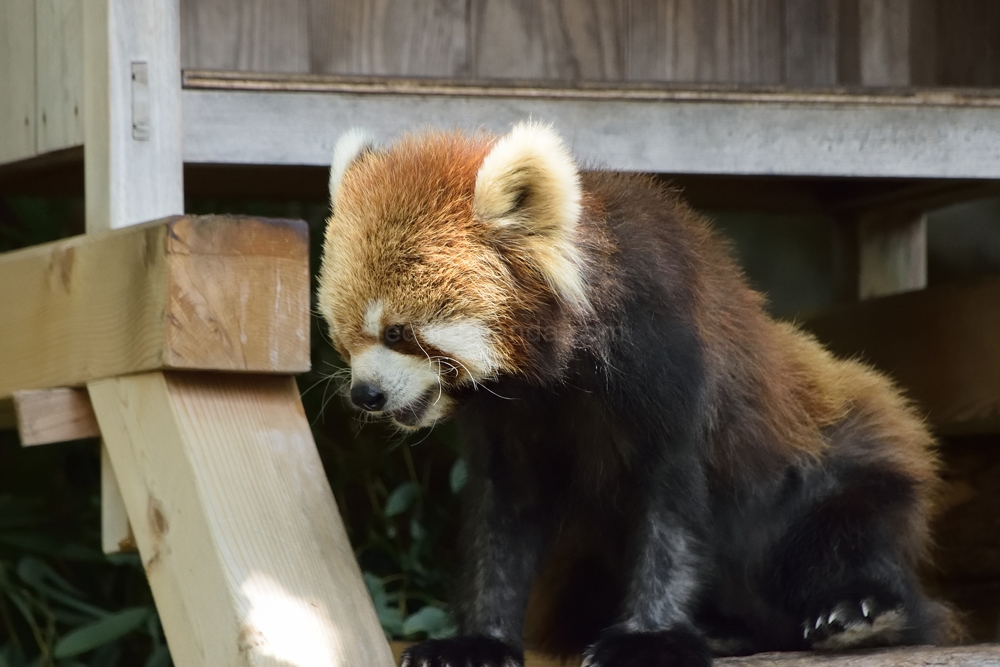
393, 334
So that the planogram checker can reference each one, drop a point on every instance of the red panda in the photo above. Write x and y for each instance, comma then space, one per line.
657, 469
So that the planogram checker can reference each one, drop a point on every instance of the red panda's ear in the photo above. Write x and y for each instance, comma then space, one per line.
351, 145
528, 190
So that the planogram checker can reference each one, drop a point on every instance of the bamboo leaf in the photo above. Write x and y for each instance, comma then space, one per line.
101, 632
401, 499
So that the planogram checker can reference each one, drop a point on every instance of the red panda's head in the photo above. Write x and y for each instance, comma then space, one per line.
444, 258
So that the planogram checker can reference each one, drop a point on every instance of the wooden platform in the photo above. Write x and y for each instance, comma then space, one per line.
983, 655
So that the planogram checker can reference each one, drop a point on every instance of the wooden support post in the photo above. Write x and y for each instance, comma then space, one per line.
236, 524
133, 166
892, 253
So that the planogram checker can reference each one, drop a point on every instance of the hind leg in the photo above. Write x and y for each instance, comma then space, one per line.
844, 567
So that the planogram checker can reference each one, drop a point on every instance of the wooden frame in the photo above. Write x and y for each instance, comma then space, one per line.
215, 292
235, 119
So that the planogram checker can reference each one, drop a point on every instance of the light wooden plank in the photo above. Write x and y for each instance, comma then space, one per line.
238, 530
885, 42
131, 177
893, 253
45, 416
390, 37
59, 29
568, 40
940, 344
17, 80
116, 531
212, 292
927, 134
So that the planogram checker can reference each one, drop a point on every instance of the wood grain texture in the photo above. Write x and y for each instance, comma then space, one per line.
45, 416
59, 117
987, 655
885, 42
390, 37
939, 344
811, 39
568, 40
238, 530
967, 43
893, 253
697, 132
253, 35
116, 531
128, 180
714, 41
211, 292
17, 80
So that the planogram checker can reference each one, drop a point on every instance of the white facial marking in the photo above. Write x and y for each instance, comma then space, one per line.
373, 318
405, 380
466, 342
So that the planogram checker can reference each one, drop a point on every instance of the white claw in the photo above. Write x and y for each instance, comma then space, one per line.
805, 632
866, 608
835, 616
819, 621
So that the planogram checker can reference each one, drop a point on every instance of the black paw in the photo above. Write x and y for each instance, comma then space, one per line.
854, 624
667, 648
471, 651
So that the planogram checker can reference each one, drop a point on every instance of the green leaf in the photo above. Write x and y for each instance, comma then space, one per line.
459, 475
101, 632
391, 621
401, 499
433, 621
46, 581
39, 575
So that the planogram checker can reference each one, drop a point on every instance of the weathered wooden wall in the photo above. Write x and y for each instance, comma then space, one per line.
795, 42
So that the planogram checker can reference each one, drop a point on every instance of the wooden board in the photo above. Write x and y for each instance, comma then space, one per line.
213, 292
394, 37
116, 531
17, 80
238, 530
940, 344
59, 117
45, 416
987, 655
132, 112
239, 119
567, 40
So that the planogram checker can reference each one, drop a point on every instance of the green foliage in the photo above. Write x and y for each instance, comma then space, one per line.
64, 603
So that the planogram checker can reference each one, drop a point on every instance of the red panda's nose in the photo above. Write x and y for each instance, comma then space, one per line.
367, 397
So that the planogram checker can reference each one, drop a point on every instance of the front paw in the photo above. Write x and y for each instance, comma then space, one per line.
470, 651
667, 648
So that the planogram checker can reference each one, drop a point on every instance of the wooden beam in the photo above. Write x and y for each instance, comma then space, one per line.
892, 253
910, 656
213, 292
245, 552
238, 119
45, 416
940, 345
132, 111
